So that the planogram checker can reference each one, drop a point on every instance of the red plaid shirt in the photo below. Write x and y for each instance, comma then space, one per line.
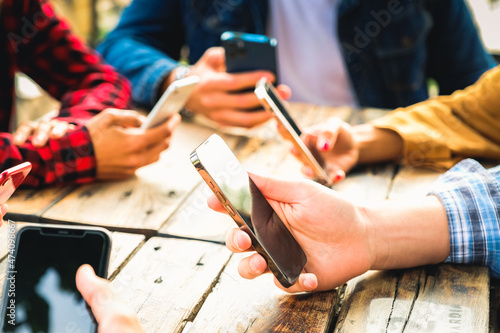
39, 44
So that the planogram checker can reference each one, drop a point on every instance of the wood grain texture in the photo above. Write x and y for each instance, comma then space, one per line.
146, 201
367, 184
413, 183
123, 246
444, 298
194, 219
30, 204
167, 281
3, 239
239, 305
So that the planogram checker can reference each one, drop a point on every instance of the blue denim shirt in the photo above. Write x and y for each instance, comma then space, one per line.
390, 47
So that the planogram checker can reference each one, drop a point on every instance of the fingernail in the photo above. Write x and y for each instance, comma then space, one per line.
309, 283
309, 172
325, 145
88, 271
236, 241
338, 178
252, 264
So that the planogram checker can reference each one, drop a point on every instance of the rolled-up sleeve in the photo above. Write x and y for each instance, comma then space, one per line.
470, 195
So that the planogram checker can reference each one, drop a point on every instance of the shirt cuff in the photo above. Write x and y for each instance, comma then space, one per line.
146, 91
72, 157
421, 145
470, 196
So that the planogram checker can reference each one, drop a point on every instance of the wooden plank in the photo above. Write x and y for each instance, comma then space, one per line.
239, 305
146, 201
367, 184
413, 183
195, 220
167, 281
30, 204
442, 298
122, 249
3, 239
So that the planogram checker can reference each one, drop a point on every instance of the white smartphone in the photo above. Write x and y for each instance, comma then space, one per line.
272, 102
172, 101
238, 194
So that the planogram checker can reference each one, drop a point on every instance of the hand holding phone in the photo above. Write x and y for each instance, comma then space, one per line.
172, 101
11, 178
272, 102
244, 202
40, 293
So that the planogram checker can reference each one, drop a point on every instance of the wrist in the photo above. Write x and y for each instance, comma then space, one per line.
177, 73
407, 234
377, 145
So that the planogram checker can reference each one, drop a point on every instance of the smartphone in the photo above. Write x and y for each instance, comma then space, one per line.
249, 52
40, 293
11, 178
172, 101
272, 102
248, 207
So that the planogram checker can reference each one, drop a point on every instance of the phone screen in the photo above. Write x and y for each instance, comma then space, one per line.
272, 93
40, 293
246, 200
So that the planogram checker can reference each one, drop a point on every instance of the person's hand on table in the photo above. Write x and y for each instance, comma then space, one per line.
111, 313
3, 211
334, 146
121, 147
219, 94
41, 131
331, 231
343, 240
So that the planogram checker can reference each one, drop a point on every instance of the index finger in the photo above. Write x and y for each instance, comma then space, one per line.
154, 135
215, 204
239, 81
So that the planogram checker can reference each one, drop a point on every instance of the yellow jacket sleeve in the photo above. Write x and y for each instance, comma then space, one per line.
441, 131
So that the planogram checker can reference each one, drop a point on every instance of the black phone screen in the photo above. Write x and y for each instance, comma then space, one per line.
253, 208
40, 293
272, 93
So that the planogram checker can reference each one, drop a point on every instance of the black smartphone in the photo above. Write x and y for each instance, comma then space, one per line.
272, 102
248, 207
249, 52
40, 293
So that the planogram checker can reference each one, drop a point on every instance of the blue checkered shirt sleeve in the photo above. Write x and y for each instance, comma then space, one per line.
470, 195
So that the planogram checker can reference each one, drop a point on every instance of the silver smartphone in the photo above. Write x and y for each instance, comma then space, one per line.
248, 207
172, 101
272, 102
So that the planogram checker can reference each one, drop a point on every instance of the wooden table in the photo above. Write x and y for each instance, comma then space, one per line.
170, 264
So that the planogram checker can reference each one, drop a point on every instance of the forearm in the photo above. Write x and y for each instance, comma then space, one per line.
145, 66
407, 234
377, 145
67, 160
